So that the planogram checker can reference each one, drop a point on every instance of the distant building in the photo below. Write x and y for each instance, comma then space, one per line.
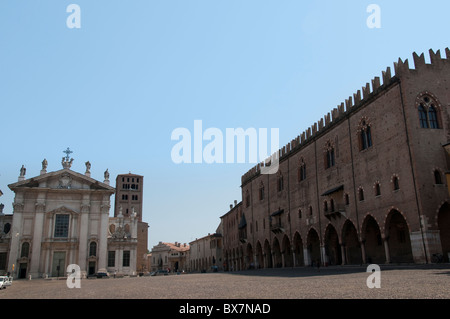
169, 256
205, 253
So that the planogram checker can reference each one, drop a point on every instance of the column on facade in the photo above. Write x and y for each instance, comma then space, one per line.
37, 239
306, 256
103, 238
363, 252
84, 226
386, 250
343, 254
294, 260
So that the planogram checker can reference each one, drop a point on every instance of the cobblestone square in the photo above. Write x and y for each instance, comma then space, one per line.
405, 282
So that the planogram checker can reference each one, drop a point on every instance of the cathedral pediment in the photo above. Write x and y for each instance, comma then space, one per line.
62, 179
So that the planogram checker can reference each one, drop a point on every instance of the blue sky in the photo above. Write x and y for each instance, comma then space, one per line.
115, 89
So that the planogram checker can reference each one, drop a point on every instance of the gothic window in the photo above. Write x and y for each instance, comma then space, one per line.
346, 199
280, 182
365, 134
329, 155
299, 213
247, 198
437, 177
423, 117
361, 194
331, 205
261, 191
377, 189
432, 117
428, 109
301, 171
61, 226
395, 183
325, 206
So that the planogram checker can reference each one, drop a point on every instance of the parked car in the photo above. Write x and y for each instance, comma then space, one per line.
160, 272
5, 281
99, 275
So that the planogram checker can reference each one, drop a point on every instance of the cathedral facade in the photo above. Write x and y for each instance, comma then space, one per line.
62, 218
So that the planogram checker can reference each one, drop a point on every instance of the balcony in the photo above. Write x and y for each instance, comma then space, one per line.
277, 228
336, 212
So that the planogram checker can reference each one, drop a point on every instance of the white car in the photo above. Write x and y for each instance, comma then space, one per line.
5, 281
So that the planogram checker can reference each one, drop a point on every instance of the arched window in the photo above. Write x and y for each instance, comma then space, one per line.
361, 194
93, 249
261, 191
301, 171
377, 189
437, 177
423, 117
428, 111
247, 198
365, 134
432, 117
329, 155
395, 183
280, 182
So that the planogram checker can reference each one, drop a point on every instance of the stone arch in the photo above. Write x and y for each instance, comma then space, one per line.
332, 246
373, 241
276, 251
350, 241
249, 262
268, 254
313, 247
259, 262
398, 237
443, 221
287, 252
298, 250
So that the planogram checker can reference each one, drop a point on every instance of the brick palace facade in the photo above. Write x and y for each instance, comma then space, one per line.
365, 184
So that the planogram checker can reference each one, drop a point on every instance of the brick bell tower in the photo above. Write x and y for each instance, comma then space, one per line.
129, 196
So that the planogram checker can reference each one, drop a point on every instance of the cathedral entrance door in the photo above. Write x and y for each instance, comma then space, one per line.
59, 264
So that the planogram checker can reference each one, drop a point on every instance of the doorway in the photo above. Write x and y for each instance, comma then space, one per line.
59, 264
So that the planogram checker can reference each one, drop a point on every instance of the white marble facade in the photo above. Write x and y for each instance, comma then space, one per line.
62, 218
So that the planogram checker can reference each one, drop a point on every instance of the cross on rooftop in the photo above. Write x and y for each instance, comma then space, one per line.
68, 152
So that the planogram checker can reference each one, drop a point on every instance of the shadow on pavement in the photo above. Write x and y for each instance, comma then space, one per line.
334, 270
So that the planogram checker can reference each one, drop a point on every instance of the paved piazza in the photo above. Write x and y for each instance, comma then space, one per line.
299, 283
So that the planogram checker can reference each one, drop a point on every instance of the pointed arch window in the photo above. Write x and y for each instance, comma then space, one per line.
432, 117
365, 134
261, 191
301, 171
428, 109
280, 182
329, 155
423, 117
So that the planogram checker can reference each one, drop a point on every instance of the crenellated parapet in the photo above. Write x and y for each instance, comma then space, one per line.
358, 99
